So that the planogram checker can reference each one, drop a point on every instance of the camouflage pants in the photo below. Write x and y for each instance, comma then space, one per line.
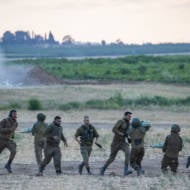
114, 150
171, 162
10, 145
39, 148
51, 152
85, 152
136, 157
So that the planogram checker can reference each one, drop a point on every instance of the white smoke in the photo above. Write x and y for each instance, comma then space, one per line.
12, 75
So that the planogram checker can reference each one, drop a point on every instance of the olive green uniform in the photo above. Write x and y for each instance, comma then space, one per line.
172, 145
87, 135
119, 143
137, 146
38, 131
7, 131
52, 149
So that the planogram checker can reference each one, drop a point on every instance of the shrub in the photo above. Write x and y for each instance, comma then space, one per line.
34, 104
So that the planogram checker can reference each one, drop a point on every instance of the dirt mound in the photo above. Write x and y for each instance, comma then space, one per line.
37, 75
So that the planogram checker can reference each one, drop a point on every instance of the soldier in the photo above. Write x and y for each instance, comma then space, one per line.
137, 133
119, 143
7, 131
38, 131
53, 134
85, 136
172, 145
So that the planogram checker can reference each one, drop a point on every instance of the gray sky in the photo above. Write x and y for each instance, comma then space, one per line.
132, 21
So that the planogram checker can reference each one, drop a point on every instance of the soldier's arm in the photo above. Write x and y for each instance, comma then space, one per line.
116, 128
181, 145
165, 145
96, 135
3, 128
64, 139
77, 135
34, 129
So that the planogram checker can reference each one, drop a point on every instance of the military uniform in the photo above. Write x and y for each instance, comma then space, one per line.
172, 146
38, 131
54, 134
87, 135
119, 143
137, 133
7, 131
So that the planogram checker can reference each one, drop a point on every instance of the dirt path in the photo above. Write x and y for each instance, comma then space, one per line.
151, 166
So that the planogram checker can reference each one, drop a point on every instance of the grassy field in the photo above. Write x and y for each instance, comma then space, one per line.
123, 96
162, 117
131, 68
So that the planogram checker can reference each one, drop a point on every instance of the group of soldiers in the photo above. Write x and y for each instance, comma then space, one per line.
47, 139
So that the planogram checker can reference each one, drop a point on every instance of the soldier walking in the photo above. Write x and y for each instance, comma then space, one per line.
7, 131
53, 134
85, 136
137, 133
172, 146
38, 131
119, 143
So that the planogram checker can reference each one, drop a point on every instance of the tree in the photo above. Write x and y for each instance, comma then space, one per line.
103, 42
22, 37
51, 39
8, 38
68, 40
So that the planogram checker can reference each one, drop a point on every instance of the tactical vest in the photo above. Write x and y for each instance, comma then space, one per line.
87, 135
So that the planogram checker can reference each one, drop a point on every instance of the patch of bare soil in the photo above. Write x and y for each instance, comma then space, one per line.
37, 75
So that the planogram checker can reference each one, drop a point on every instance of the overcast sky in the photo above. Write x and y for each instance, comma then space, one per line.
132, 21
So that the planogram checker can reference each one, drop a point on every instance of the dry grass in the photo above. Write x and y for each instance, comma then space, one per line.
81, 93
160, 119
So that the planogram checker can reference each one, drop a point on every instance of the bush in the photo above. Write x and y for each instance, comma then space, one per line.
34, 104
71, 105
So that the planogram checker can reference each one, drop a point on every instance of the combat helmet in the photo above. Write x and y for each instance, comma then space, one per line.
175, 128
41, 117
136, 122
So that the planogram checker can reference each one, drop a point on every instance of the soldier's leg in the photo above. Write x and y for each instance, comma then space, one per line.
174, 165
11, 146
48, 156
85, 156
38, 152
2, 146
114, 151
133, 157
140, 157
164, 164
188, 162
125, 148
57, 160
89, 150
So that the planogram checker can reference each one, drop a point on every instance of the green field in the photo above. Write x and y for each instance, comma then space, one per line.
167, 69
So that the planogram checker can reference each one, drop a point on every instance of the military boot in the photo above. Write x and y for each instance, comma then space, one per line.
8, 167
139, 171
80, 167
102, 170
88, 171
127, 171
58, 172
